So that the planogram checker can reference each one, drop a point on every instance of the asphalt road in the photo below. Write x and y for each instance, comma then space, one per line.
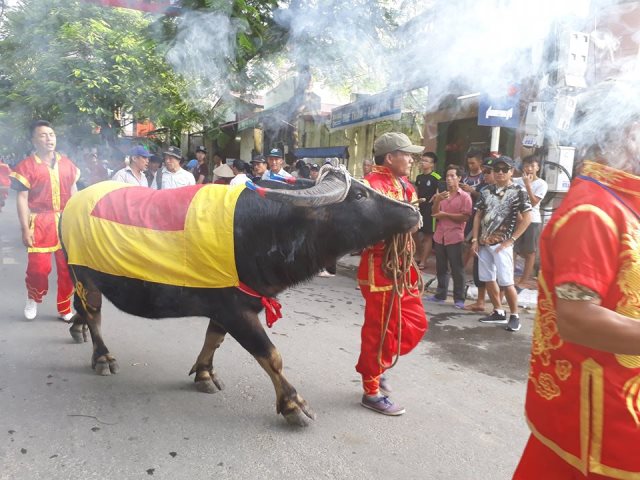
463, 388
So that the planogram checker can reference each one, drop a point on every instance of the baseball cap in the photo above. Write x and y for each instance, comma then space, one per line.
275, 153
503, 159
139, 151
155, 158
258, 159
174, 152
314, 166
202, 149
394, 141
488, 161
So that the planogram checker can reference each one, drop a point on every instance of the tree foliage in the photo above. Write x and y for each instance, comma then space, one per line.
83, 66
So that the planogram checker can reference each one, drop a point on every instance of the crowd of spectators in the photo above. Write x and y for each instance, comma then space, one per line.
486, 215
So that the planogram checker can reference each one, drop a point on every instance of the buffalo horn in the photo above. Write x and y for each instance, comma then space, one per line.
331, 187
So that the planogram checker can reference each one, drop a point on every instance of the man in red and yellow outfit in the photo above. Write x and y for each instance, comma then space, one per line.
583, 397
5, 182
389, 176
44, 181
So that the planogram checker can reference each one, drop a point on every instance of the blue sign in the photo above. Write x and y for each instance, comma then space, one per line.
383, 106
501, 111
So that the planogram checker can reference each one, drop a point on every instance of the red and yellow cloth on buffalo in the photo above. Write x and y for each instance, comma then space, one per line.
584, 404
376, 289
182, 237
49, 191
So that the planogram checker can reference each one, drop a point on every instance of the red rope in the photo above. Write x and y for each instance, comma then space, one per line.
272, 307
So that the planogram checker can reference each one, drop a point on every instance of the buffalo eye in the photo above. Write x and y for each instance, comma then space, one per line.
360, 195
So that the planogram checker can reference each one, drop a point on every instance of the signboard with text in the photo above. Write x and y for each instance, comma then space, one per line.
383, 106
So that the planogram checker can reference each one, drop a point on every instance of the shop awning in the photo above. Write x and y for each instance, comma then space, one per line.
322, 152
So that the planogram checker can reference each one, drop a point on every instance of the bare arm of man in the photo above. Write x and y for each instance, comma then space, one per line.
586, 323
521, 225
22, 202
476, 230
200, 179
456, 217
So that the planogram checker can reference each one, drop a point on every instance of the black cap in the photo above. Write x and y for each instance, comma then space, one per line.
314, 166
201, 148
503, 159
258, 159
174, 152
488, 161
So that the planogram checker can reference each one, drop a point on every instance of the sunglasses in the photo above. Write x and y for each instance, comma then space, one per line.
504, 169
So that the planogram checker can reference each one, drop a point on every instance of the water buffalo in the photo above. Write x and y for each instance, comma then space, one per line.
280, 235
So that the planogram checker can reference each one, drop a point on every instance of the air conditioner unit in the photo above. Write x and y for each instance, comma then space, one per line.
555, 176
534, 125
572, 59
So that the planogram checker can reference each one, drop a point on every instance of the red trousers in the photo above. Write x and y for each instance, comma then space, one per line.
414, 326
540, 462
37, 280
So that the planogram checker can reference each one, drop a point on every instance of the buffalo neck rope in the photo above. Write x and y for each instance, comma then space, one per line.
398, 260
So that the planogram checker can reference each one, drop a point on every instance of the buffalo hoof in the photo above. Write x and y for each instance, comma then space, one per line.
210, 385
79, 335
300, 418
102, 368
299, 413
106, 365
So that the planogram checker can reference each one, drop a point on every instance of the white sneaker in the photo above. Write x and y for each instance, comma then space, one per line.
30, 309
324, 273
66, 317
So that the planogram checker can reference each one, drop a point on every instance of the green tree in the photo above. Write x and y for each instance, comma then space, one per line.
83, 67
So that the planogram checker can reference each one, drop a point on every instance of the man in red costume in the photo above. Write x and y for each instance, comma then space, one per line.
389, 176
5, 182
44, 181
583, 396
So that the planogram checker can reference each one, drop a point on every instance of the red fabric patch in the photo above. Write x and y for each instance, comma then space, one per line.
162, 210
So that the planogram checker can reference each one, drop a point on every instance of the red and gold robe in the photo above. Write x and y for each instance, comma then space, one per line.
377, 289
584, 404
49, 188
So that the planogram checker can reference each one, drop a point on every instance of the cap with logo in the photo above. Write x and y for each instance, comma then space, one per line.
139, 151
394, 141
201, 148
173, 152
258, 159
275, 153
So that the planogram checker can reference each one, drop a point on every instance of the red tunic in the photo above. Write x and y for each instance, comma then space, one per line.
49, 190
377, 289
584, 404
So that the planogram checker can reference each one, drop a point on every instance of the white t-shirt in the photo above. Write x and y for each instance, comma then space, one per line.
126, 175
239, 179
282, 173
180, 178
539, 188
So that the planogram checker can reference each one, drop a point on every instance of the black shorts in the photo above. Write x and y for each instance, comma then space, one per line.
428, 224
528, 242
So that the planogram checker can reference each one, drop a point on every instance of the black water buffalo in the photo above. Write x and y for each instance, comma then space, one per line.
283, 235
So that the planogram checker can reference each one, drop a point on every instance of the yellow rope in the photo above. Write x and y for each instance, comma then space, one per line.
397, 262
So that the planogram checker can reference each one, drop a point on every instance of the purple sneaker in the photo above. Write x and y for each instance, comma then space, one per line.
459, 304
435, 299
382, 405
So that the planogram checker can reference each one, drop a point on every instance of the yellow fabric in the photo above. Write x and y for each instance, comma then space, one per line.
201, 255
